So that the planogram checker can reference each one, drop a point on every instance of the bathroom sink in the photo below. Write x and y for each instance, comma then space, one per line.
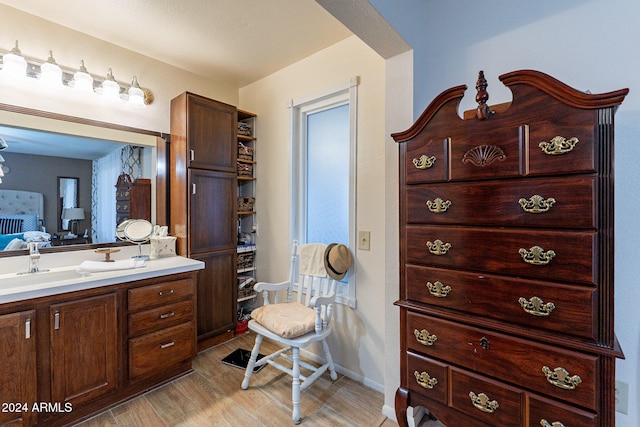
14, 280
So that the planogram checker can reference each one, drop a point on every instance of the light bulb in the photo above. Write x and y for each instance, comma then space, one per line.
136, 95
110, 88
50, 73
82, 80
14, 66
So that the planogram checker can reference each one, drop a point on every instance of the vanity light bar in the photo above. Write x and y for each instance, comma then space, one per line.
16, 67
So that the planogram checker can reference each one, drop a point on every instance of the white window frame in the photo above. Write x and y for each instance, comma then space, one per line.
339, 95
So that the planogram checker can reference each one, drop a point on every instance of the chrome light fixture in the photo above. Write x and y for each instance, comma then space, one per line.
21, 70
82, 80
110, 88
14, 66
51, 73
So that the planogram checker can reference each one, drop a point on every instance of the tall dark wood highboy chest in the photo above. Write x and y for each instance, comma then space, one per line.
506, 251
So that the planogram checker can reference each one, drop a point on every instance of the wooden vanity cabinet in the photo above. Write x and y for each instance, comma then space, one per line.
506, 277
18, 386
84, 348
72, 355
203, 201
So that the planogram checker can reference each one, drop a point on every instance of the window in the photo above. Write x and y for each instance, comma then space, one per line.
324, 171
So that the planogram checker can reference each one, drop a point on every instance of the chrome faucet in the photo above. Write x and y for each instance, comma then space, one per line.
34, 257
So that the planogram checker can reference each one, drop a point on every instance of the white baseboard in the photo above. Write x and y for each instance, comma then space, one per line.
389, 412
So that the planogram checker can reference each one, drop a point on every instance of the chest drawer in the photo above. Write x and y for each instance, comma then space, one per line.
543, 254
428, 377
494, 403
160, 317
566, 375
158, 351
527, 203
161, 293
536, 304
545, 412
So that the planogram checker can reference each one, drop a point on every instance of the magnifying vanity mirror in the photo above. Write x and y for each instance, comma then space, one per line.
67, 163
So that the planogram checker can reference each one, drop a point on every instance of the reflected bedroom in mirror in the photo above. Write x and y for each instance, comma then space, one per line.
63, 189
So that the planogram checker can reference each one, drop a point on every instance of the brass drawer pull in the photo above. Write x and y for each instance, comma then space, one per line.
558, 145
535, 306
169, 292
482, 402
425, 380
424, 338
545, 423
167, 315
438, 247
438, 289
536, 204
438, 205
561, 378
167, 345
424, 162
536, 255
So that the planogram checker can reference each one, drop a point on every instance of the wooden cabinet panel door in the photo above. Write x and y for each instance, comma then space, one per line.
217, 292
84, 355
211, 131
18, 372
212, 212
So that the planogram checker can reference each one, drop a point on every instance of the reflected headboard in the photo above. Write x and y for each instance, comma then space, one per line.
18, 202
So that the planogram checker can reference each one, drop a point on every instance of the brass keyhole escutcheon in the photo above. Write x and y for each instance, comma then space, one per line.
484, 343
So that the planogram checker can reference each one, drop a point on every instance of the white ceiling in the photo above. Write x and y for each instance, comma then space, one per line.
238, 40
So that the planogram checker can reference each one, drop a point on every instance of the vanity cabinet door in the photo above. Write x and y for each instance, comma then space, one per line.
84, 343
18, 373
211, 133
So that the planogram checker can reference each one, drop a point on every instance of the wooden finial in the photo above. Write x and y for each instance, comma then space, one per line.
483, 111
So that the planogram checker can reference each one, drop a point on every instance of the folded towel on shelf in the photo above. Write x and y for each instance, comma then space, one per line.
312, 259
95, 266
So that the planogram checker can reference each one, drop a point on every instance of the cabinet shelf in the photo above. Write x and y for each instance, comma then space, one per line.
246, 138
246, 213
246, 178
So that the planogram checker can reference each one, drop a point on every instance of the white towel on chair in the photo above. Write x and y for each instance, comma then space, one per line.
312, 259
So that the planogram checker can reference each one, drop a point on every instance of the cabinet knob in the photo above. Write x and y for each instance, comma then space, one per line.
167, 345
424, 162
561, 378
27, 329
545, 423
167, 315
162, 293
425, 380
558, 145
483, 402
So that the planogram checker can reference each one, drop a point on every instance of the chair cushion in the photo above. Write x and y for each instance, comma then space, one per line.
289, 319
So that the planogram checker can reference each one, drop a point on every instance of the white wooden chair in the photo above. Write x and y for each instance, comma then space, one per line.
296, 324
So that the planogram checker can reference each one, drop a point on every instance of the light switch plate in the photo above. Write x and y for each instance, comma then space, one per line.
364, 240
622, 397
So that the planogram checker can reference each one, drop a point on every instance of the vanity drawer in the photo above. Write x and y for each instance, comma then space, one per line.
499, 297
503, 251
541, 410
161, 350
494, 403
161, 293
428, 377
160, 317
507, 358
526, 202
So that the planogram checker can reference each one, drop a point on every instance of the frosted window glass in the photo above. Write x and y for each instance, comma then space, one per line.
328, 176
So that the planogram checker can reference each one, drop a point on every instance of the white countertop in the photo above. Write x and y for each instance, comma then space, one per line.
61, 278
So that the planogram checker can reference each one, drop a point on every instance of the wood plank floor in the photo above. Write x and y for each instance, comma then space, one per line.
211, 396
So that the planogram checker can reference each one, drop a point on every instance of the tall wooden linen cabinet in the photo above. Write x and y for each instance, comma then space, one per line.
203, 198
506, 252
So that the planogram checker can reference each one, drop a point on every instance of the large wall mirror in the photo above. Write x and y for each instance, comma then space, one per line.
72, 164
